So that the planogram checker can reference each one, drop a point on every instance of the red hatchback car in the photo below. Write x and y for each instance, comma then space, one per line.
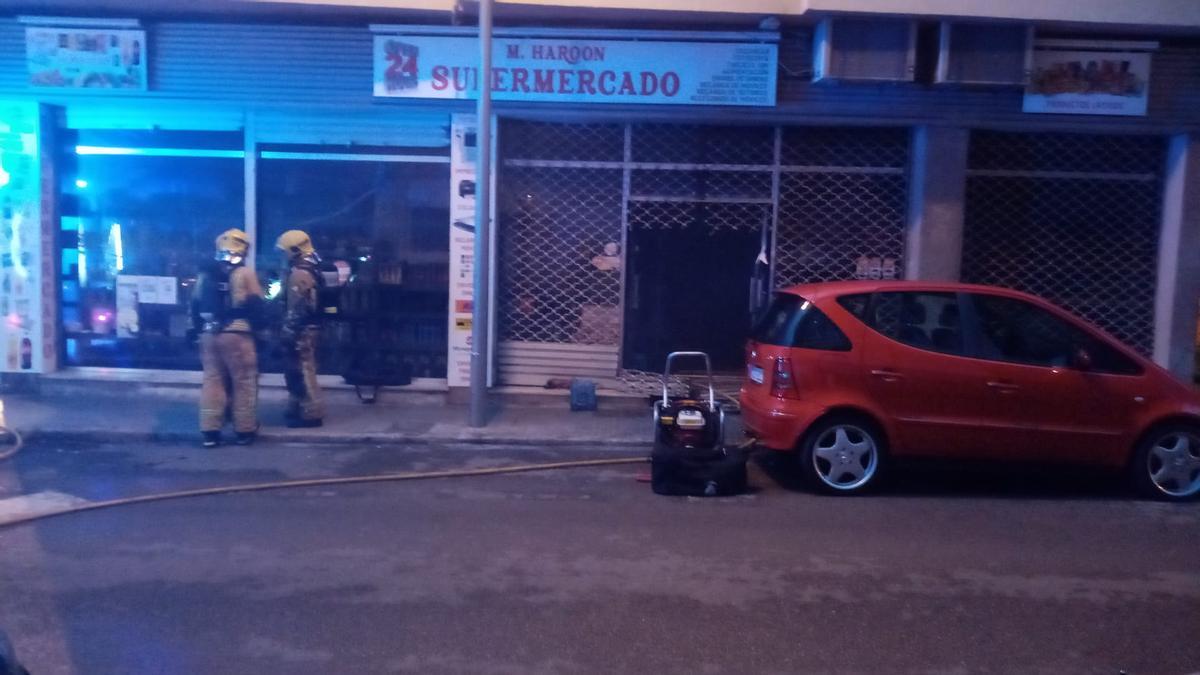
852, 374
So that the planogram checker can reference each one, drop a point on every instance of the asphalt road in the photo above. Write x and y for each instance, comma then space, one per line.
585, 571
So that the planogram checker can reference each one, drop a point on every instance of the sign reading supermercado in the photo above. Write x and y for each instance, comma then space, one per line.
579, 71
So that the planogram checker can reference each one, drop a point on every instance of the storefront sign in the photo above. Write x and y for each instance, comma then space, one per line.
20, 239
579, 71
1088, 83
464, 153
86, 58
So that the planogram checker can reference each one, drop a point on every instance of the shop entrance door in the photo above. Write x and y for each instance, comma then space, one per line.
380, 219
692, 288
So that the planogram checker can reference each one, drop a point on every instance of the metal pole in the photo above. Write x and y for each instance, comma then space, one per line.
483, 223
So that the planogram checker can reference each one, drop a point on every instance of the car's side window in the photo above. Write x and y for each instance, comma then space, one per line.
926, 320
1012, 330
1017, 331
856, 304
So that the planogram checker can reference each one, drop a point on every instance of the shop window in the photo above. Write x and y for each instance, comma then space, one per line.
139, 214
380, 222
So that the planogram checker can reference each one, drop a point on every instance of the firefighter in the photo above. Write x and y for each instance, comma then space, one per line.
226, 309
301, 329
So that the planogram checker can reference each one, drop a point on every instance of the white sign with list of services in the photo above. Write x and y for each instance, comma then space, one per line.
464, 153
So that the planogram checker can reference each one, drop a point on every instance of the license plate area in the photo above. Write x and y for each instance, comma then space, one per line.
755, 373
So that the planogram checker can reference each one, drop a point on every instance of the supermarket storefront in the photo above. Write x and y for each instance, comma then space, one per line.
651, 189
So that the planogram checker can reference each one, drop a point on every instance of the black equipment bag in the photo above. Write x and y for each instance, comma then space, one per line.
374, 360
697, 472
377, 368
690, 457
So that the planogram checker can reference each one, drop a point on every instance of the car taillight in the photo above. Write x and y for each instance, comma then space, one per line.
782, 384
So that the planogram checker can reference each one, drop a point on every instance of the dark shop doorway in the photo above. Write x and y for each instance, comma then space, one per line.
691, 288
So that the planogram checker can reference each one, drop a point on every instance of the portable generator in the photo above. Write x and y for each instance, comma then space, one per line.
689, 456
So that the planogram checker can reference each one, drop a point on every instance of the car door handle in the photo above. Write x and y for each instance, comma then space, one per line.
887, 375
1003, 387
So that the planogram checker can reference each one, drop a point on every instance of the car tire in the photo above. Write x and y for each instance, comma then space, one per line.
1166, 463
843, 455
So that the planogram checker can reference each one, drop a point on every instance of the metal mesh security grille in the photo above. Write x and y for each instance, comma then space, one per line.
556, 217
708, 180
679, 144
651, 215
842, 200
562, 142
570, 195
1070, 217
560, 220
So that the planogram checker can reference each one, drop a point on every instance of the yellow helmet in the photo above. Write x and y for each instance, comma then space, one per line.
233, 245
295, 243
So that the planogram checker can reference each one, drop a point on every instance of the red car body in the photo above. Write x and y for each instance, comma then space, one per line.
933, 401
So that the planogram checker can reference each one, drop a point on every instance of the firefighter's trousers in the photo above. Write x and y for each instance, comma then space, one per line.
300, 375
230, 372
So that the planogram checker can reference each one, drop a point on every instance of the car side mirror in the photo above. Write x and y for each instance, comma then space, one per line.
1081, 359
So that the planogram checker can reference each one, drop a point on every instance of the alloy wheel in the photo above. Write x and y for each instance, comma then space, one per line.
1174, 464
845, 457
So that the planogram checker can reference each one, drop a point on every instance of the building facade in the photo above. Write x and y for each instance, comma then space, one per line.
648, 200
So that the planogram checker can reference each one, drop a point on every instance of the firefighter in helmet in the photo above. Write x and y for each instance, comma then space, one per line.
226, 309
301, 329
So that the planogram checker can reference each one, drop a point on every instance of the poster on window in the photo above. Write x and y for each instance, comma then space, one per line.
86, 58
133, 291
464, 153
20, 239
579, 70
1088, 83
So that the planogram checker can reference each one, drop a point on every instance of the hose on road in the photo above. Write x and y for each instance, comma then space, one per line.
17, 443
317, 482
8, 435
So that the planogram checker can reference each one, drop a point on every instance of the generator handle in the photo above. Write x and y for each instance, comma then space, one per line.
712, 394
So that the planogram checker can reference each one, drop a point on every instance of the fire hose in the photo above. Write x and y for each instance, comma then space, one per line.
16, 443
325, 482
301, 483
5, 435
320, 482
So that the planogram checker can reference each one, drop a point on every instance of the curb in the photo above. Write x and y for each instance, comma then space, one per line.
109, 436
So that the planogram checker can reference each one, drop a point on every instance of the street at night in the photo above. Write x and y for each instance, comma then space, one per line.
584, 570
599, 336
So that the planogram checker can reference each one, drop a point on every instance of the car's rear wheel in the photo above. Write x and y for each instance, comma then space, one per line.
843, 455
1167, 463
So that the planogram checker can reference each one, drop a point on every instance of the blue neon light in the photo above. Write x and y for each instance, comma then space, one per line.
157, 152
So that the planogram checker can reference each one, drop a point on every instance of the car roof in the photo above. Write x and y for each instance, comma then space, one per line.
827, 291
832, 289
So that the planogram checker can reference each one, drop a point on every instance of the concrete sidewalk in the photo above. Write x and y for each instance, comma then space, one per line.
109, 411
